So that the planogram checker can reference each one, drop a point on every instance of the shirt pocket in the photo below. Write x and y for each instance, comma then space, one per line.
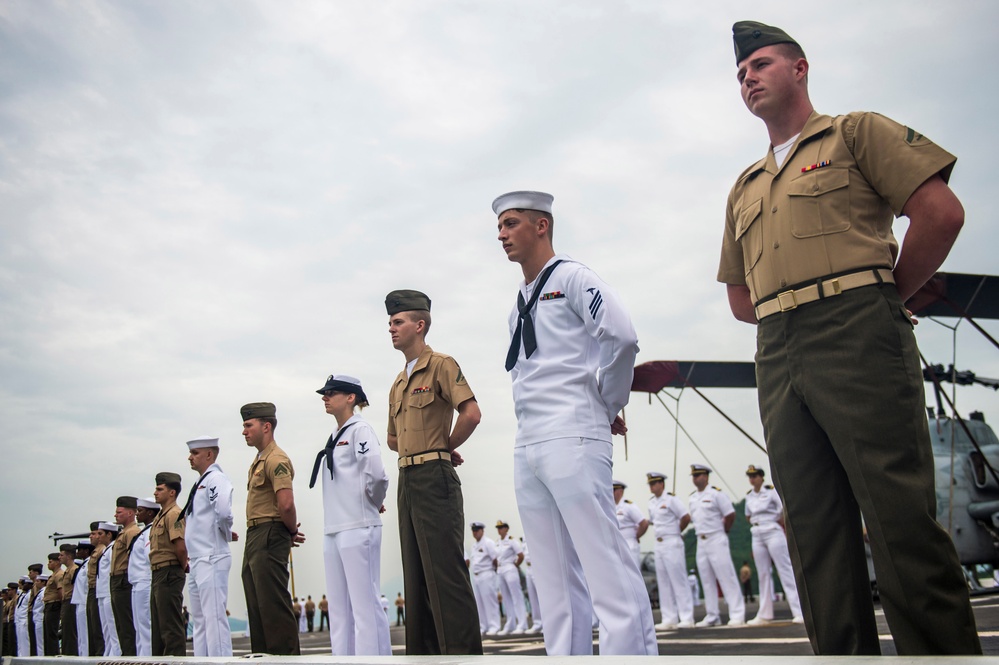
820, 202
421, 417
749, 234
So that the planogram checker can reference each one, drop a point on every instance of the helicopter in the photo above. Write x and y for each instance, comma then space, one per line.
965, 450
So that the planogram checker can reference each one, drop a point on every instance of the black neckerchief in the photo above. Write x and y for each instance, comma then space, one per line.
327, 453
189, 506
144, 529
525, 322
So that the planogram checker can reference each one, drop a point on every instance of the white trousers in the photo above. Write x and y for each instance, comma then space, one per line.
208, 588
675, 602
714, 563
770, 546
358, 624
532, 594
513, 598
24, 642
111, 646
39, 630
142, 620
566, 505
484, 586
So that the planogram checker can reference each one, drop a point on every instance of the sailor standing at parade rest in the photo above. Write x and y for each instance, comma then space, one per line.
354, 487
140, 575
21, 617
509, 556
669, 517
482, 564
630, 521
106, 534
38, 613
713, 515
207, 533
80, 588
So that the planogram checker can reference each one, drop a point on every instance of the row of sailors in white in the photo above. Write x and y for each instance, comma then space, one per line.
354, 488
22, 619
669, 517
207, 534
713, 514
494, 566
566, 393
765, 512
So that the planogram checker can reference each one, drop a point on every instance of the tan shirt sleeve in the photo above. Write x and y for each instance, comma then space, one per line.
452, 383
280, 471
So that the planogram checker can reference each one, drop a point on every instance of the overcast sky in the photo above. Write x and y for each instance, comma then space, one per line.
204, 204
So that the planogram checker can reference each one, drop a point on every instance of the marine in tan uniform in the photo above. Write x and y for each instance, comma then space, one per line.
168, 561
272, 529
121, 588
95, 631
53, 605
809, 255
440, 607
67, 552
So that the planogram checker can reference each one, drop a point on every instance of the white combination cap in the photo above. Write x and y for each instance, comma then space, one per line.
478, 525
539, 201
203, 442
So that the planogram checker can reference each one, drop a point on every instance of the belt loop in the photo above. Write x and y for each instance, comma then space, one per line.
877, 274
822, 294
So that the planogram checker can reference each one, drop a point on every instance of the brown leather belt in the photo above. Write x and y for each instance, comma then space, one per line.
785, 301
261, 520
159, 566
422, 458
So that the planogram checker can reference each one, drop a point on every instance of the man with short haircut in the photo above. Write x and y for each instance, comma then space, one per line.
809, 256
440, 604
53, 605
169, 564
668, 517
509, 557
324, 613
121, 587
571, 361
482, 564
95, 631
630, 521
272, 529
34, 571
310, 612
207, 534
713, 515
140, 576
79, 599
37, 609
67, 610
107, 533
21, 615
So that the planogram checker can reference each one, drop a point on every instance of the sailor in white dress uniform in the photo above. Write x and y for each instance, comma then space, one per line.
207, 533
571, 359
21, 616
38, 614
354, 487
630, 521
509, 556
669, 517
106, 533
140, 575
765, 513
537, 623
482, 564
713, 515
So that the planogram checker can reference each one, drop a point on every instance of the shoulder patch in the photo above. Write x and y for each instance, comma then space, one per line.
769, 487
281, 470
912, 137
461, 375
716, 488
627, 500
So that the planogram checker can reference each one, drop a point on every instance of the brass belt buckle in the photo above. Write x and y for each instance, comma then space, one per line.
786, 301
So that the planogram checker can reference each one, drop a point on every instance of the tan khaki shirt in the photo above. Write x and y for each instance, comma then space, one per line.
805, 220
92, 566
119, 549
167, 527
270, 472
421, 408
67, 582
52, 587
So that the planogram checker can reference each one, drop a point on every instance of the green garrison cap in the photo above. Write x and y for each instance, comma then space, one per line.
750, 36
126, 502
164, 477
406, 300
258, 410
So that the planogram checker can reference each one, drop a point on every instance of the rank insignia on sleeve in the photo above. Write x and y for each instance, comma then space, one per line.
912, 137
553, 295
362, 448
421, 390
596, 302
281, 470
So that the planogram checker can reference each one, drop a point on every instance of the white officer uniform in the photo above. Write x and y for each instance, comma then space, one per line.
140, 575
352, 544
207, 534
714, 558
565, 396
507, 552
532, 593
38, 617
695, 588
80, 588
763, 509
628, 519
675, 603
484, 582
111, 646
21, 624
